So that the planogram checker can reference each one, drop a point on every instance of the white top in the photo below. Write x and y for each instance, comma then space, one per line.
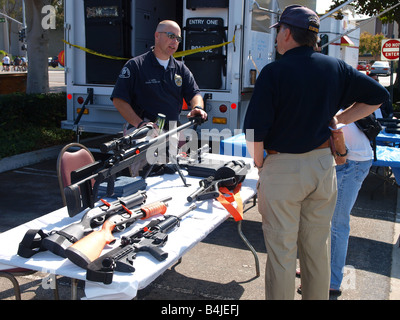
357, 143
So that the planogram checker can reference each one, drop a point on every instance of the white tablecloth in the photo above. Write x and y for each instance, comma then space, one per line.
194, 227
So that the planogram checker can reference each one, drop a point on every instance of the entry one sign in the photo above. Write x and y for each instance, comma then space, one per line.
390, 49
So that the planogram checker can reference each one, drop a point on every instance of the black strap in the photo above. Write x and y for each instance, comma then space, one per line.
99, 275
31, 245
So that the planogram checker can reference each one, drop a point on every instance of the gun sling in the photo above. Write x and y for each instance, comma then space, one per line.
226, 201
31, 245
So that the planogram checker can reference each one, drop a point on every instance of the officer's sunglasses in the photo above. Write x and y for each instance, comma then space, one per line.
173, 36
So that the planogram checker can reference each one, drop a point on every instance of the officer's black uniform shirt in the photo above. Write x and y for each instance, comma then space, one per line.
150, 89
296, 97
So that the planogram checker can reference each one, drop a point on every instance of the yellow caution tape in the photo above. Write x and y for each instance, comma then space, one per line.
176, 55
94, 52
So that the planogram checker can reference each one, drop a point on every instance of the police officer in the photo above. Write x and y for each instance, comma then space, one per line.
294, 103
155, 82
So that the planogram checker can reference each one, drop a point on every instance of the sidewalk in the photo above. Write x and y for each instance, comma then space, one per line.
221, 267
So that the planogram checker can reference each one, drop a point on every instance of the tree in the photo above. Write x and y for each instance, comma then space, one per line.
38, 42
370, 43
374, 7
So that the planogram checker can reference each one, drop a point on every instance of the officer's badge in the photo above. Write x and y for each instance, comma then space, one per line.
178, 80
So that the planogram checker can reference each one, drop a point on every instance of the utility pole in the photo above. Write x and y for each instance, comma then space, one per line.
23, 15
24, 25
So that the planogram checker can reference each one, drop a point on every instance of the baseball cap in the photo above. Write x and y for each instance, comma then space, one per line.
300, 17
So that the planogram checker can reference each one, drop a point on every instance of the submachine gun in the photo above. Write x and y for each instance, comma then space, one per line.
83, 193
148, 239
230, 175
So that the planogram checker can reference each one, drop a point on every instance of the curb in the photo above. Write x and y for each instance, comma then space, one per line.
24, 159
33, 157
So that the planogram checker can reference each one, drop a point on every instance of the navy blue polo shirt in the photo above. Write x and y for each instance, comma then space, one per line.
296, 97
150, 89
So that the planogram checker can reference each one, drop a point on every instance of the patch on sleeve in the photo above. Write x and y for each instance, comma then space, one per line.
125, 73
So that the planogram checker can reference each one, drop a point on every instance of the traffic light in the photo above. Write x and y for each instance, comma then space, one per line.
22, 35
324, 40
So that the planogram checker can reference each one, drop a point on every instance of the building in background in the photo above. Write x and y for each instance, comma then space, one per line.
389, 30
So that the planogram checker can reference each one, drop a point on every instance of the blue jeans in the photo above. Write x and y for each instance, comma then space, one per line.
350, 177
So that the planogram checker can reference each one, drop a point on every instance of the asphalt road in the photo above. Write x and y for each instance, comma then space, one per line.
56, 80
221, 268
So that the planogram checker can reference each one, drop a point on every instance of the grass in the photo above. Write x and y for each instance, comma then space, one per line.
32, 122
31, 138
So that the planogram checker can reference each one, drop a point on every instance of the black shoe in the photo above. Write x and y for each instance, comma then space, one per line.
332, 292
335, 293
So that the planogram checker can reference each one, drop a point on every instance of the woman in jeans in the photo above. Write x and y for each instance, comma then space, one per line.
350, 177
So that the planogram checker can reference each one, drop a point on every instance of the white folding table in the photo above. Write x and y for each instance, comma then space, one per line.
193, 228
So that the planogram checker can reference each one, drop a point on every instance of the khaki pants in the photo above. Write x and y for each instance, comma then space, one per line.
297, 197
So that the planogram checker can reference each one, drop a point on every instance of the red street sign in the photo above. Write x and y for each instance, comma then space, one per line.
390, 49
61, 58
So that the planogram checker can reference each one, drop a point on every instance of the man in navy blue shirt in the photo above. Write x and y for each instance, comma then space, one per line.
157, 83
293, 106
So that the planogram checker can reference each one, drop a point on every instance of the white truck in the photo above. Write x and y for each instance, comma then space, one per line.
125, 28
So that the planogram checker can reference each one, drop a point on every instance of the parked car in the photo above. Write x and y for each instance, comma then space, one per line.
381, 68
362, 65
53, 62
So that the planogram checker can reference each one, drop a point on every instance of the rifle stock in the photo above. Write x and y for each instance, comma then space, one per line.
90, 247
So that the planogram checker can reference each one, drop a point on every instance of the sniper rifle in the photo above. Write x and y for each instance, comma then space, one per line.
148, 239
82, 193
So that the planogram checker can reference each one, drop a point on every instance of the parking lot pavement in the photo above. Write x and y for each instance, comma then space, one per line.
221, 267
